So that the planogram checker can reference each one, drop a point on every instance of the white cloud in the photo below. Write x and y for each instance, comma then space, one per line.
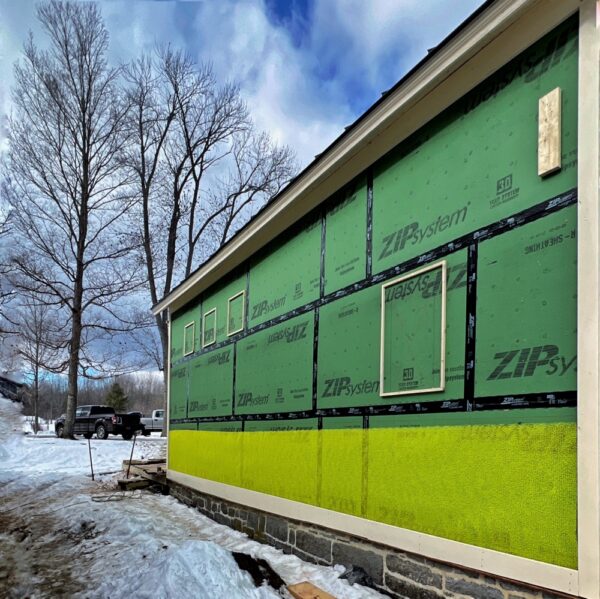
137, 27
304, 94
285, 100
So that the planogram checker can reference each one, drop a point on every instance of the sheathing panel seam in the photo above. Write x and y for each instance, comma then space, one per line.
496, 403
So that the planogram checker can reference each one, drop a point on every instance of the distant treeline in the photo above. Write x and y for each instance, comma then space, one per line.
144, 392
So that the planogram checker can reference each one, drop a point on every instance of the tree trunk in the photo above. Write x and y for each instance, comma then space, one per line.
74, 348
73, 378
36, 386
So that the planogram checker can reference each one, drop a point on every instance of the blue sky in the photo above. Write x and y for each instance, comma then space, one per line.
306, 68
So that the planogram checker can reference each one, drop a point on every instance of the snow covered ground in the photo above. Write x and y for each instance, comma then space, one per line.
63, 535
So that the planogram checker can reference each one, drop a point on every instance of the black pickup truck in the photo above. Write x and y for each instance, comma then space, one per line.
103, 421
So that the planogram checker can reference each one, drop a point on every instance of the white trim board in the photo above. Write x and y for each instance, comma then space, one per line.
588, 304
471, 557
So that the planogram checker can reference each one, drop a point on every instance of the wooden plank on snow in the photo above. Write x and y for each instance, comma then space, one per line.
307, 590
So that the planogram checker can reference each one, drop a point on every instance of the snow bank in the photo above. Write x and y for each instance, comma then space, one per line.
194, 569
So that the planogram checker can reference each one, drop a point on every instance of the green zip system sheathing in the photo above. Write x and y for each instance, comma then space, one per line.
277, 386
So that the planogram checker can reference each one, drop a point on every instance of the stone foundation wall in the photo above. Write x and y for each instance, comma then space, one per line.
391, 571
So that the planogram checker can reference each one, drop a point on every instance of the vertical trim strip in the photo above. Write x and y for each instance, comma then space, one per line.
316, 317
588, 306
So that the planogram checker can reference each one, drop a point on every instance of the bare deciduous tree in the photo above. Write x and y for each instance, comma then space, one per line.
37, 340
65, 183
200, 167
5, 286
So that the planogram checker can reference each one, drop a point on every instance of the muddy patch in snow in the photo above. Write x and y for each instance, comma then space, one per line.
33, 552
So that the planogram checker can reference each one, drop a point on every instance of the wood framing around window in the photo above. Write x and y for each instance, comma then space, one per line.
191, 326
442, 265
205, 342
241, 294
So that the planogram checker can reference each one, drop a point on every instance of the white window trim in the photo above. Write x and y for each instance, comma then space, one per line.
214, 339
443, 265
233, 297
185, 330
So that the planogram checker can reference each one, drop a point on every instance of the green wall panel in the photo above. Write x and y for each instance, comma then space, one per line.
180, 320
348, 353
287, 277
274, 368
211, 384
178, 392
511, 488
346, 238
210, 453
219, 298
349, 334
344, 461
280, 463
477, 162
527, 308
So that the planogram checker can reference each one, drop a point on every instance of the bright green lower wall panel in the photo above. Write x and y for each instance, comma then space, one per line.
511, 488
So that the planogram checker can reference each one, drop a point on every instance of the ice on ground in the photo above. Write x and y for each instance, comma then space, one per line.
61, 533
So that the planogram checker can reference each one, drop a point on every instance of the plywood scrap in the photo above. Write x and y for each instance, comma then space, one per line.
549, 147
307, 590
